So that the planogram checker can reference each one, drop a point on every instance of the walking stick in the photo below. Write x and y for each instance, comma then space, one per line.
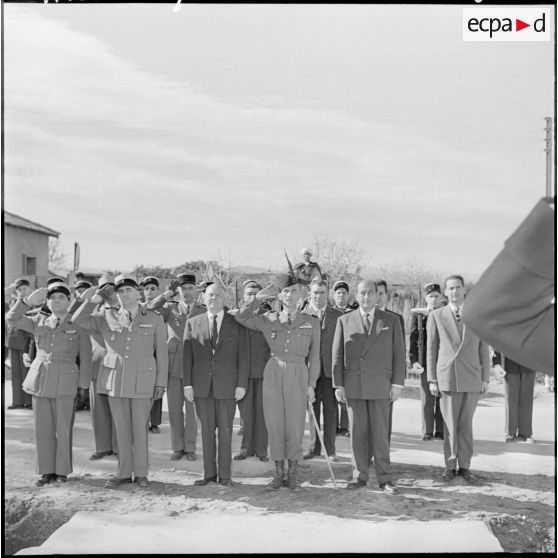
322, 442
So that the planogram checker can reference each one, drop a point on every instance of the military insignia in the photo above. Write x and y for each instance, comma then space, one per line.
70, 331
273, 334
145, 325
112, 337
305, 325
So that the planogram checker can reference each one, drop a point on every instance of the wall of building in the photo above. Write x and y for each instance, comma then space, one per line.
18, 242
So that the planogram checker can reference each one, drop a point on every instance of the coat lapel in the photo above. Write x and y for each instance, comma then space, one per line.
225, 324
376, 326
451, 326
204, 332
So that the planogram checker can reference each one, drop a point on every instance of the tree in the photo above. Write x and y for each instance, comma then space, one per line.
56, 255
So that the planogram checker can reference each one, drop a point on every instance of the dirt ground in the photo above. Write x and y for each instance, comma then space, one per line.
515, 496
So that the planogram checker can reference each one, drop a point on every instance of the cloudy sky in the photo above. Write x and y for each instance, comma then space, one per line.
232, 131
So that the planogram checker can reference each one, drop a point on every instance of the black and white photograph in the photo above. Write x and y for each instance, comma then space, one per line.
278, 278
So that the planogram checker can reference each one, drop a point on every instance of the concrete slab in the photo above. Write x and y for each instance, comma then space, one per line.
149, 533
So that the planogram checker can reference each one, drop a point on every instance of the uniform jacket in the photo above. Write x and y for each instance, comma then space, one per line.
297, 343
367, 365
225, 370
54, 371
258, 348
137, 357
175, 315
327, 332
457, 362
418, 324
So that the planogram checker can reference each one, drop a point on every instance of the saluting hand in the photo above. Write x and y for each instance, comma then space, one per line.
37, 298
88, 293
239, 393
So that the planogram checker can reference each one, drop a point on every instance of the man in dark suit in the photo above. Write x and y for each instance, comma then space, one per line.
254, 430
368, 372
520, 387
215, 377
325, 394
458, 366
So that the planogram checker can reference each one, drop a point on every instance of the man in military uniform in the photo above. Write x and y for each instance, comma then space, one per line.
55, 377
215, 377
432, 421
254, 435
290, 375
151, 290
134, 371
184, 423
325, 394
18, 343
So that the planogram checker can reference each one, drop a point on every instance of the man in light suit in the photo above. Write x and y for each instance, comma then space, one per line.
458, 366
215, 377
325, 394
368, 372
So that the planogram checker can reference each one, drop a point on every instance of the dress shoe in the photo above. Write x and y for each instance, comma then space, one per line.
263, 458
278, 481
142, 482
226, 482
113, 482
356, 483
333, 457
99, 455
310, 455
448, 475
426, 437
439, 435
347, 434
510, 438
61, 478
389, 488
242, 455
28, 406
176, 455
190, 456
203, 482
154, 429
16, 407
467, 476
46, 479
529, 440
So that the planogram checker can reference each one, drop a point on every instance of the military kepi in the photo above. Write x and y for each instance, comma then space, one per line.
83, 284
21, 282
185, 278
125, 280
341, 285
58, 288
432, 288
149, 280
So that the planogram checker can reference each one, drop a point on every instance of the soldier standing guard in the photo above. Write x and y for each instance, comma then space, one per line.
290, 374
55, 377
134, 372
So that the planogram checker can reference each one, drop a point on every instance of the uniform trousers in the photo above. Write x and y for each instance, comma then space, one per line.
156, 412
254, 431
131, 417
104, 430
369, 421
285, 393
216, 414
19, 372
183, 426
54, 421
458, 409
432, 421
519, 392
325, 398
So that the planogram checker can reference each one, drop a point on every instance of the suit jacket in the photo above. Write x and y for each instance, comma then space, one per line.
328, 325
457, 362
137, 357
367, 365
225, 370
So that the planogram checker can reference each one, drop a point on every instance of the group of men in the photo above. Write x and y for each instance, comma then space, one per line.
279, 366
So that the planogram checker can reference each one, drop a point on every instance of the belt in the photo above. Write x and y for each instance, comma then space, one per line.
43, 356
289, 360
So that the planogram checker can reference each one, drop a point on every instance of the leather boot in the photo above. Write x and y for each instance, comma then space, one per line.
291, 475
277, 480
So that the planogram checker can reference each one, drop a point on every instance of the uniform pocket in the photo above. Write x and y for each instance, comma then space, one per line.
68, 382
145, 381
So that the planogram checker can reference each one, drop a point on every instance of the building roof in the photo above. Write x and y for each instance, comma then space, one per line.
16, 221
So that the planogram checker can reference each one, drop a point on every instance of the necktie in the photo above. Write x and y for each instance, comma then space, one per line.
289, 319
57, 322
457, 315
367, 323
214, 333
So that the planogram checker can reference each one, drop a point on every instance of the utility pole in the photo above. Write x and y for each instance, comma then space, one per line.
549, 129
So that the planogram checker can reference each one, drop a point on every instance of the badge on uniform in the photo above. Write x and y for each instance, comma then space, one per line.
273, 334
145, 325
70, 331
112, 337
305, 325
